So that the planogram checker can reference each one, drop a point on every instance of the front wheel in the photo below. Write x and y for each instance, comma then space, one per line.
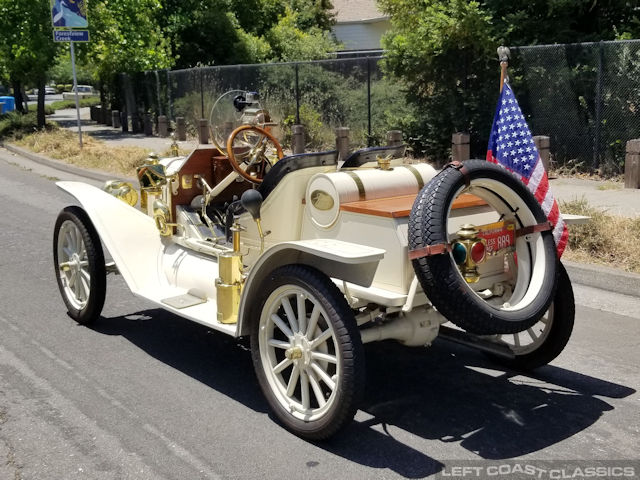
307, 352
79, 263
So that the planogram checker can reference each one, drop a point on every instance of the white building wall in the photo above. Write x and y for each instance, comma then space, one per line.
361, 36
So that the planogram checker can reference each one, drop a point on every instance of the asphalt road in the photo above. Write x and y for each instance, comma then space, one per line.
33, 99
143, 394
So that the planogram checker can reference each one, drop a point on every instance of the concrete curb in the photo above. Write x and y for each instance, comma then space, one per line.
65, 167
604, 278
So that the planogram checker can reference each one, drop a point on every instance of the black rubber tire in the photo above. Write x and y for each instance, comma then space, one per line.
560, 329
439, 275
96, 265
350, 385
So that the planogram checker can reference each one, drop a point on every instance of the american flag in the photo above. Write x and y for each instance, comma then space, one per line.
511, 145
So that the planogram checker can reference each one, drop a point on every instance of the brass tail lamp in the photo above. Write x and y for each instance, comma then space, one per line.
468, 252
229, 283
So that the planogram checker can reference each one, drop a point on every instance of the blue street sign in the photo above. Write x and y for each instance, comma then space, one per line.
69, 13
71, 35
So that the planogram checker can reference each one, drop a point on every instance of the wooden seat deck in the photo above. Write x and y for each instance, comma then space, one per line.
399, 207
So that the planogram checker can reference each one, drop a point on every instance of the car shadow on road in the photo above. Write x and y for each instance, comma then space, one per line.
446, 393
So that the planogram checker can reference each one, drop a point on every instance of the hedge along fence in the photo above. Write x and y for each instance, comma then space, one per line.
584, 96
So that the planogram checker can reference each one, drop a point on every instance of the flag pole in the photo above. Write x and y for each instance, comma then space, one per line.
503, 56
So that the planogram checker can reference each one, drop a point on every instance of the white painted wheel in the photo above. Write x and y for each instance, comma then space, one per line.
73, 265
527, 281
538, 345
307, 352
79, 264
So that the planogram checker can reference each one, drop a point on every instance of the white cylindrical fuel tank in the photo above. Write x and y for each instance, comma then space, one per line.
327, 191
186, 269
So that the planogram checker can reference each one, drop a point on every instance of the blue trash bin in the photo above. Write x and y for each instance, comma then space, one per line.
8, 104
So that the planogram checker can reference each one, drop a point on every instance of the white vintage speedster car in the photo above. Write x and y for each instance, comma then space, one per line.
320, 256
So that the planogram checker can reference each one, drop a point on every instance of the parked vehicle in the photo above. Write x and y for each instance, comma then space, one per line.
319, 257
84, 91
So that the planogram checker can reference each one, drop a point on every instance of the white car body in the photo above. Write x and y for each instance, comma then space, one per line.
350, 225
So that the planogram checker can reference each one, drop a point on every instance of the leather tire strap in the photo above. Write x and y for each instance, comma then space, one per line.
541, 227
429, 250
462, 169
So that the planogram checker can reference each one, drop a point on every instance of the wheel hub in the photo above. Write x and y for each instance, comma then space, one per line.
300, 350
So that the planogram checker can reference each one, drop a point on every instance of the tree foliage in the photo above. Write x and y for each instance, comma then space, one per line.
220, 32
444, 53
125, 37
26, 45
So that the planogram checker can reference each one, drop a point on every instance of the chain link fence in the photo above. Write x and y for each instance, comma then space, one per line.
321, 95
586, 97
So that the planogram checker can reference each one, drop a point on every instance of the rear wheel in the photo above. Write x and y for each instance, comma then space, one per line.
307, 352
79, 263
544, 341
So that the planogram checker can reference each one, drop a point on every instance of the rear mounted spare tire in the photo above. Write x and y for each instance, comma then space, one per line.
532, 268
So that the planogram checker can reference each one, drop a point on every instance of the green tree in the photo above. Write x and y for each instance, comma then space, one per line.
61, 72
222, 32
530, 22
27, 47
290, 41
442, 53
126, 38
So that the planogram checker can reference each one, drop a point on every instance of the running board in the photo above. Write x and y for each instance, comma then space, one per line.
473, 341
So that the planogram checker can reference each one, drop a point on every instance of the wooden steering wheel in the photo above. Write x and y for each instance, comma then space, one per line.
256, 149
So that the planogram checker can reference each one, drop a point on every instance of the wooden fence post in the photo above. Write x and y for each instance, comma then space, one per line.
163, 126
342, 143
543, 144
460, 148
632, 164
115, 118
203, 131
297, 139
148, 125
181, 129
394, 138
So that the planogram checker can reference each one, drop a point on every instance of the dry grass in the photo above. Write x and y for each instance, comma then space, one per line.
611, 186
607, 239
63, 145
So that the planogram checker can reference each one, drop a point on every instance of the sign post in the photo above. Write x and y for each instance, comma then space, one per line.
70, 24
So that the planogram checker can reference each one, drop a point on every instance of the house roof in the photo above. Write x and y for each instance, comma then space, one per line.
356, 10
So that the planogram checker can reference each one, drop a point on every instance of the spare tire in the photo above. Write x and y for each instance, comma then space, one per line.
533, 281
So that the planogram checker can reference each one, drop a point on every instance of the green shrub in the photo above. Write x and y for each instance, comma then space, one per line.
16, 125
84, 102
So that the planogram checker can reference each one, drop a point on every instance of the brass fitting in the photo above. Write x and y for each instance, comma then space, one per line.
384, 163
229, 286
463, 252
175, 151
229, 283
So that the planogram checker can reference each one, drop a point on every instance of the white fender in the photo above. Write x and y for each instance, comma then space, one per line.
130, 236
337, 259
